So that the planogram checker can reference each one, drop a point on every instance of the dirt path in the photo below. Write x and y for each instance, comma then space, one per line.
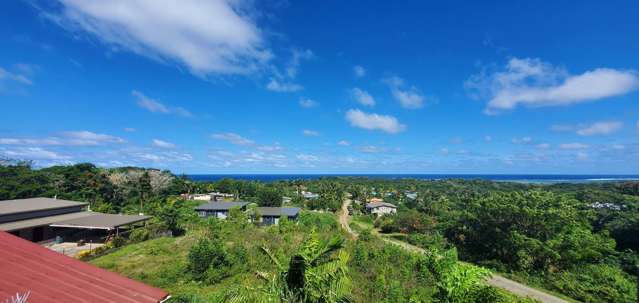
495, 280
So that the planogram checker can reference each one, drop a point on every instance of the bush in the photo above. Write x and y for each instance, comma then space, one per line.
139, 235
208, 261
596, 283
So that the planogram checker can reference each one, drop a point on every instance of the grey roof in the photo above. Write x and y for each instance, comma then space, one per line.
43, 221
221, 205
278, 211
100, 221
35, 204
380, 204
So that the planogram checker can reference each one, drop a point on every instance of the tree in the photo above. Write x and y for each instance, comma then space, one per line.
317, 272
269, 196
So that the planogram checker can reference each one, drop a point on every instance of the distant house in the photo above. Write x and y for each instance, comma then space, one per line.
411, 195
215, 196
272, 215
381, 208
48, 276
309, 195
43, 219
375, 200
219, 210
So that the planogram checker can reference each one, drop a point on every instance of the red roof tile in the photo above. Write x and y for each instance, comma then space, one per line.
53, 277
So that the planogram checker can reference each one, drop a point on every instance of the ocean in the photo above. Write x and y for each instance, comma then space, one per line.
547, 179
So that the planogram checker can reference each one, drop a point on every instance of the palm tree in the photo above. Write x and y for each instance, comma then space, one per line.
317, 272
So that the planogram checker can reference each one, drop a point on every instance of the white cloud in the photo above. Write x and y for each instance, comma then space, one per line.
359, 71
307, 157
307, 103
582, 156
233, 138
522, 140
373, 121
5, 75
73, 138
534, 83
600, 128
129, 129
84, 137
283, 87
269, 148
208, 37
410, 98
162, 144
310, 133
343, 143
543, 146
155, 106
575, 145
33, 153
618, 146
372, 149
362, 97
296, 58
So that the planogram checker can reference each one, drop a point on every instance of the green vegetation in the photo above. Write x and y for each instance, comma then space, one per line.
575, 239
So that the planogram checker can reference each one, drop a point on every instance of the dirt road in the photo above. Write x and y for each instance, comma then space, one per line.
495, 280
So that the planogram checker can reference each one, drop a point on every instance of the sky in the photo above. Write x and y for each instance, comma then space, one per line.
237, 86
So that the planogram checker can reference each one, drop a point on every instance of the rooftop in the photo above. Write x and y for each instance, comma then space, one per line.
221, 205
380, 204
100, 221
54, 277
35, 204
278, 211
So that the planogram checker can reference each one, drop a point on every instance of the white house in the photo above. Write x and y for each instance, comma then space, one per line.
381, 208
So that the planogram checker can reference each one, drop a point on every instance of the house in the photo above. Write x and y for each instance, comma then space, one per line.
214, 196
411, 195
47, 276
309, 195
272, 215
381, 208
43, 219
219, 210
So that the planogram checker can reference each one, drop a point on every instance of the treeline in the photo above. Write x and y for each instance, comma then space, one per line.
577, 239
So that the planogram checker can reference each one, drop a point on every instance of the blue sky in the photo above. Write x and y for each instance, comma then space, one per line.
300, 87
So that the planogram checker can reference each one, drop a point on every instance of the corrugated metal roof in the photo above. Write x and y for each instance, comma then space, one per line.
35, 204
380, 204
43, 221
278, 211
220, 205
100, 221
53, 277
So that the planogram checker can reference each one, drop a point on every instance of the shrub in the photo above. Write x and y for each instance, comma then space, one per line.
139, 235
208, 260
596, 283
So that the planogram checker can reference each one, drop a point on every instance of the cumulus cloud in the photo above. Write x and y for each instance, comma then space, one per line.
362, 97
156, 106
233, 138
162, 144
310, 133
374, 121
408, 97
208, 37
574, 145
343, 143
600, 128
307, 103
534, 83
296, 59
281, 86
359, 71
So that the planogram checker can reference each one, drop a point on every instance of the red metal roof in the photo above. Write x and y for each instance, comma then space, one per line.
53, 277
